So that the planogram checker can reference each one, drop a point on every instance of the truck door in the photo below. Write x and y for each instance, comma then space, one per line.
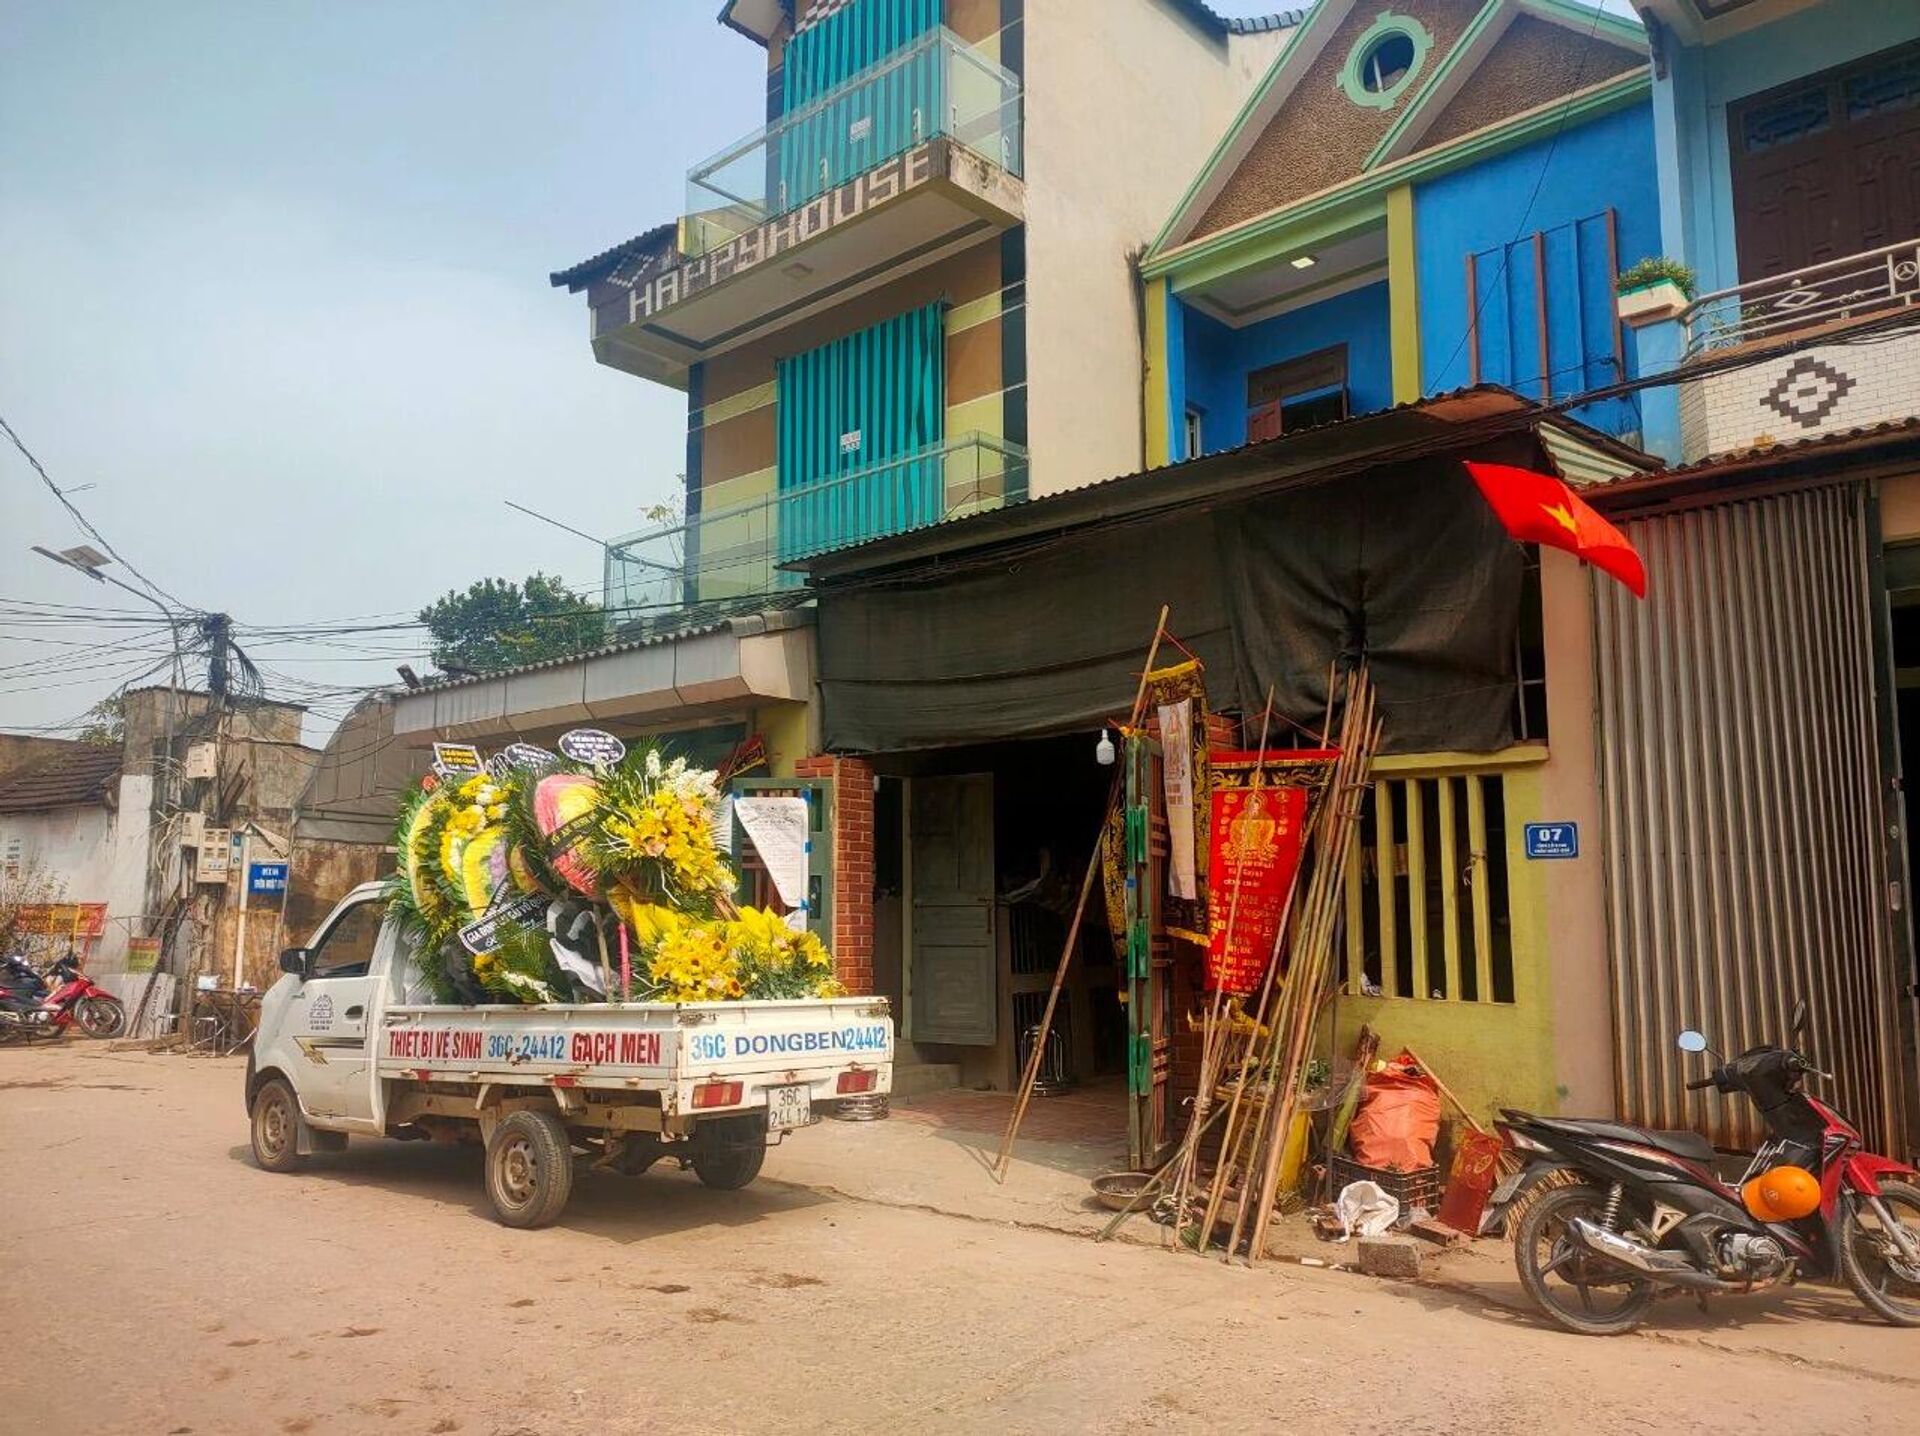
952, 976
327, 1018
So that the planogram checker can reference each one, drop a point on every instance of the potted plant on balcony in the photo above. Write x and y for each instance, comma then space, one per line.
1656, 288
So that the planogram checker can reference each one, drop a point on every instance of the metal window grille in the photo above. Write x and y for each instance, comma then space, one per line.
1426, 890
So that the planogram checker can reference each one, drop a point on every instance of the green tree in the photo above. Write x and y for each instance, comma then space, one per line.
498, 624
106, 722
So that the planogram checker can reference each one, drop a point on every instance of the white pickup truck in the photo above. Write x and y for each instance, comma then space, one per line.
345, 1047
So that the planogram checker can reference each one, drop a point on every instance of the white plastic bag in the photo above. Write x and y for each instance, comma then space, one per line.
1365, 1209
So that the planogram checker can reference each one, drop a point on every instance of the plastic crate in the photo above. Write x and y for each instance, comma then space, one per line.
1418, 1188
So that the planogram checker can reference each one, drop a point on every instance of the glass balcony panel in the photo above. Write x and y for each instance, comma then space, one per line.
728, 560
937, 87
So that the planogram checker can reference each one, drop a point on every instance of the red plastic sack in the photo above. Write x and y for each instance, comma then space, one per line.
1399, 1118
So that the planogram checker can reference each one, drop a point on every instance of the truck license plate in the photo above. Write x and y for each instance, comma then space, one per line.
788, 1107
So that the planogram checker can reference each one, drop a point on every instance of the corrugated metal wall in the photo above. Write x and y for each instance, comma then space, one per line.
855, 404
1741, 784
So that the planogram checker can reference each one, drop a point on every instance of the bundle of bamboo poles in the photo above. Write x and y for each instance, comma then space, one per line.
1267, 1058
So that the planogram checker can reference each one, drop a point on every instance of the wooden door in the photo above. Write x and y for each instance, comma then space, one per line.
952, 964
1149, 959
1828, 166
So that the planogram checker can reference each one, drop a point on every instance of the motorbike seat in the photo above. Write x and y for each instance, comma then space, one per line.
1689, 1145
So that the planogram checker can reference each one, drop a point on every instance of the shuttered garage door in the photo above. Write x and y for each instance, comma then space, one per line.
858, 419
837, 128
1741, 775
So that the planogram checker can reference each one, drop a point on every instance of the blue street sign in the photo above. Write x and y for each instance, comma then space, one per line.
266, 877
1553, 840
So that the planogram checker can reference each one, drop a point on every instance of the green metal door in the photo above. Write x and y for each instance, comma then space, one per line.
856, 417
953, 990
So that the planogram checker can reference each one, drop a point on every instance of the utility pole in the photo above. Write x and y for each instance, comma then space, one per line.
217, 629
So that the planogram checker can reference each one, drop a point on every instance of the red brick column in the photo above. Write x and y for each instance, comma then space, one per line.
852, 839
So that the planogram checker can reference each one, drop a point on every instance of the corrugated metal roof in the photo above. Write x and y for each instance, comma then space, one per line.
579, 276
772, 615
81, 774
1702, 475
1299, 453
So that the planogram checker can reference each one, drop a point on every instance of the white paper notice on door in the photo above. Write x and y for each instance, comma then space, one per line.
777, 828
1176, 767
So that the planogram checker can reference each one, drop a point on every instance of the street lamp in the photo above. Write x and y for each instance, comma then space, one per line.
88, 560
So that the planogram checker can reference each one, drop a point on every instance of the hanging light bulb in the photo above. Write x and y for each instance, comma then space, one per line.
1103, 750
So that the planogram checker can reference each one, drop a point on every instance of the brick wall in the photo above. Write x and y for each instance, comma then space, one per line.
852, 839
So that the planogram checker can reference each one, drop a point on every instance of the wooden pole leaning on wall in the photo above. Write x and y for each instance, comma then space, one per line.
1213, 1035
1031, 1072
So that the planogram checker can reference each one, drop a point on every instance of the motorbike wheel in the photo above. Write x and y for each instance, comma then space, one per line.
100, 1016
1887, 1285
1576, 1291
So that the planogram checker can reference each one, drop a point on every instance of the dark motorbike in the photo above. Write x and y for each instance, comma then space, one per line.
1607, 1217
36, 1005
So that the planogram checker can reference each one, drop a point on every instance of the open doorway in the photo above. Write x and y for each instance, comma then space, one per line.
979, 856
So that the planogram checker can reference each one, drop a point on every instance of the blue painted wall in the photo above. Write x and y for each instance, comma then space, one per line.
1215, 359
1556, 186
1692, 99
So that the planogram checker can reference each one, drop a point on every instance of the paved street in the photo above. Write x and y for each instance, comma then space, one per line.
161, 1283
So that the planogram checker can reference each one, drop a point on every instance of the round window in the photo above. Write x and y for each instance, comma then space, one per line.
1385, 63
1385, 60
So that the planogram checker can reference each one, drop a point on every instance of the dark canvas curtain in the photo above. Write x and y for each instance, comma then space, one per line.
1404, 567
1018, 648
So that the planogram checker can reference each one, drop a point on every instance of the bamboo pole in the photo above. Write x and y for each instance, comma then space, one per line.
1032, 1071
1447, 1092
1308, 975
1234, 1136
1211, 1038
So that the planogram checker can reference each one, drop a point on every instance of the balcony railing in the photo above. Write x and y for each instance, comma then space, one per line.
729, 560
1858, 287
938, 86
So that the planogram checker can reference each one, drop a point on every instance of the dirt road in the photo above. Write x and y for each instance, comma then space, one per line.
163, 1284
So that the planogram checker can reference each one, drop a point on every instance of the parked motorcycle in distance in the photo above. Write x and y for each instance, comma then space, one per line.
32, 1007
1607, 1217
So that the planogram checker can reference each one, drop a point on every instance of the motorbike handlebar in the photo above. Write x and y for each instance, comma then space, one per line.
1702, 1084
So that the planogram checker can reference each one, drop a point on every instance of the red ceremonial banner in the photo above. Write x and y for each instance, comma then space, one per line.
1253, 850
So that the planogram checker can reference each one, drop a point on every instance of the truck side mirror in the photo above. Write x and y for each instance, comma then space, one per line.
296, 960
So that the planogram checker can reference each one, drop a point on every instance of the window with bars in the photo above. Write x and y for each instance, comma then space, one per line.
1428, 913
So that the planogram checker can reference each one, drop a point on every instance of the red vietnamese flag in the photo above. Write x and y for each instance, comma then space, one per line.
1537, 508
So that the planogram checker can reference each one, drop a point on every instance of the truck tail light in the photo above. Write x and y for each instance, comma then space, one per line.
717, 1094
856, 1082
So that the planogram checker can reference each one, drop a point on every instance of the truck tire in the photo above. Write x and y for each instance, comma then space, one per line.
276, 1127
529, 1169
728, 1152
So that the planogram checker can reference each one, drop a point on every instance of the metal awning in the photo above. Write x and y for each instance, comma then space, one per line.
686, 676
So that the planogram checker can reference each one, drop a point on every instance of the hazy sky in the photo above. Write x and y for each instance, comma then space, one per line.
273, 277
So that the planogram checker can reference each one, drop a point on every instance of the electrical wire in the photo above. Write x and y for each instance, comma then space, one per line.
86, 525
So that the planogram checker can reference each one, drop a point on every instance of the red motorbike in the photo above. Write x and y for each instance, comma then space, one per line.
1607, 1216
34, 1008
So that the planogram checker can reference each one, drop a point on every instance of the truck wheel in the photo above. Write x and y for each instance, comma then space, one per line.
728, 1151
276, 1127
529, 1169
